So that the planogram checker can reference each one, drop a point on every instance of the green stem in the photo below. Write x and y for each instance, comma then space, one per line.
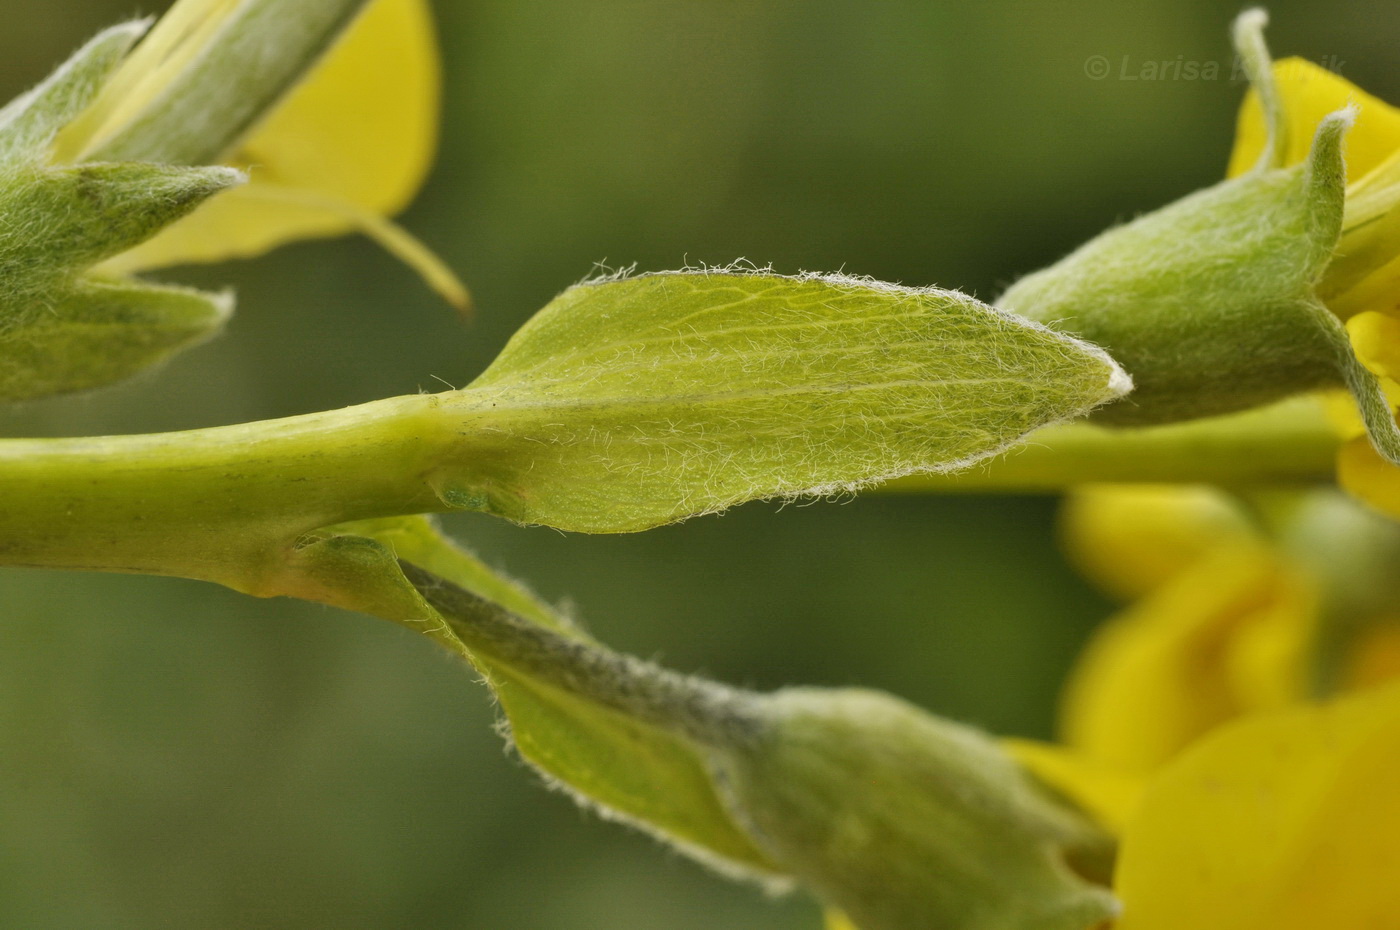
707, 712
227, 504
1291, 443
222, 504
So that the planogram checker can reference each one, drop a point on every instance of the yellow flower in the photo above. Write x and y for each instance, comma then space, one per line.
1287, 820
1227, 637
1362, 283
1189, 730
1226, 624
343, 150
1283, 821
1222, 624
1131, 539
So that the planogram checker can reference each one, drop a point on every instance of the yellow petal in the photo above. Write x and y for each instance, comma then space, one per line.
1267, 664
1341, 411
1130, 538
1286, 821
835, 920
1309, 93
1109, 795
1377, 289
1376, 339
182, 33
1369, 478
361, 130
1364, 275
1229, 635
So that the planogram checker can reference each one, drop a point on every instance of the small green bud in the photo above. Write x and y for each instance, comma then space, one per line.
95, 333
1210, 303
905, 821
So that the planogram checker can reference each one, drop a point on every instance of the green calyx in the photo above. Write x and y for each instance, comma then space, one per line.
62, 327
1210, 303
903, 820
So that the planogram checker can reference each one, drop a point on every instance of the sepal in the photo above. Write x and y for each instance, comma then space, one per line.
99, 332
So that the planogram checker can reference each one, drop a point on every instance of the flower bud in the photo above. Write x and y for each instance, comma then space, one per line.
895, 817
903, 820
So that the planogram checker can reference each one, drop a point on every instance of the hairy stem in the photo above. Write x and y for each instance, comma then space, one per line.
704, 711
222, 504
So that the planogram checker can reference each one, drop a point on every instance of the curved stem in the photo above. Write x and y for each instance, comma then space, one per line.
1365, 387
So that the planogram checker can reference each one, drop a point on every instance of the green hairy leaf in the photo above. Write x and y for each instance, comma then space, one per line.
62, 220
96, 333
627, 768
29, 123
62, 328
629, 403
621, 406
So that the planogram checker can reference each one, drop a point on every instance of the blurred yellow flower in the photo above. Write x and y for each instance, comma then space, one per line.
835, 920
345, 149
1129, 539
1228, 636
1286, 820
1280, 821
1223, 621
1190, 732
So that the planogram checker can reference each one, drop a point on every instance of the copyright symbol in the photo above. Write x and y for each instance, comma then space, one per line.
1096, 67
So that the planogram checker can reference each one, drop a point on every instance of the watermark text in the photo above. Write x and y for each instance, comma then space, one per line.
1180, 68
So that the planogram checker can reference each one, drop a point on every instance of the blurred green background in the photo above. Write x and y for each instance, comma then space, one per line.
174, 755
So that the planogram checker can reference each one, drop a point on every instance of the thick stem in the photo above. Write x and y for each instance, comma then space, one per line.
222, 504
